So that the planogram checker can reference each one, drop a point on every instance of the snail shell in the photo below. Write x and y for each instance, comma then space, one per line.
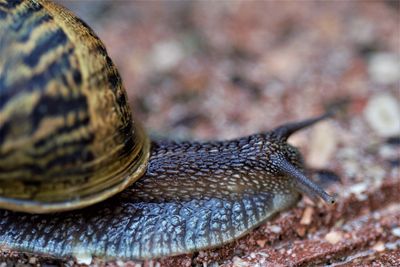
68, 140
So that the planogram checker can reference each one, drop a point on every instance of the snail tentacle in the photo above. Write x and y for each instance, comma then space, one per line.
304, 184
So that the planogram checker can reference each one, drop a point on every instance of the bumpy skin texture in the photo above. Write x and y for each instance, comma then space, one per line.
193, 196
67, 138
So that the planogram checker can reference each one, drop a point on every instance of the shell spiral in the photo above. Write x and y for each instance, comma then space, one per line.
67, 137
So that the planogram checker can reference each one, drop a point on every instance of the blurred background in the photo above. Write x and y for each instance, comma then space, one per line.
202, 69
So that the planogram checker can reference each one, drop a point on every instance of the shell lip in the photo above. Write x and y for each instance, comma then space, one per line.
32, 206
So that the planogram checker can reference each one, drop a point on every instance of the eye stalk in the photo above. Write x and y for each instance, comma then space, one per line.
285, 131
304, 184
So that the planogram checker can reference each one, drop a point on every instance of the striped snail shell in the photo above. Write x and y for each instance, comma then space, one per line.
68, 140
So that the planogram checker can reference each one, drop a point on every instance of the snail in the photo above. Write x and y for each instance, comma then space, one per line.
79, 176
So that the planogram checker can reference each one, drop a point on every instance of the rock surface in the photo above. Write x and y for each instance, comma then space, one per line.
228, 69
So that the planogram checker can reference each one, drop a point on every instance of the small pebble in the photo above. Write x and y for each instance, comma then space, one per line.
261, 242
393, 245
323, 145
238, 262
120, 263
396, 231
166, 55
383, 115
333, 237
275, 229
384, 68
307, 216
380, 246
358, 188
32, 260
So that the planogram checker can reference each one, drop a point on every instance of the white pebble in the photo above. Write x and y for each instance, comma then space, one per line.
383, 115
358, 188
396, 231
380, 246
275, 229
384, 68
167, 55
333, 237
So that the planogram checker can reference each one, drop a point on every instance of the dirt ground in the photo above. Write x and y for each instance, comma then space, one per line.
216, 70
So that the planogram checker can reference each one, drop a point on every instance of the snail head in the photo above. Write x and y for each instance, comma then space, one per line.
286, 160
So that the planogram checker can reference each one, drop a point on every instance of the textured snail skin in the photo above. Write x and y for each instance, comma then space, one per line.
192, 195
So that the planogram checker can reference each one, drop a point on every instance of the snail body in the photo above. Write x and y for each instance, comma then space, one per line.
68, 141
